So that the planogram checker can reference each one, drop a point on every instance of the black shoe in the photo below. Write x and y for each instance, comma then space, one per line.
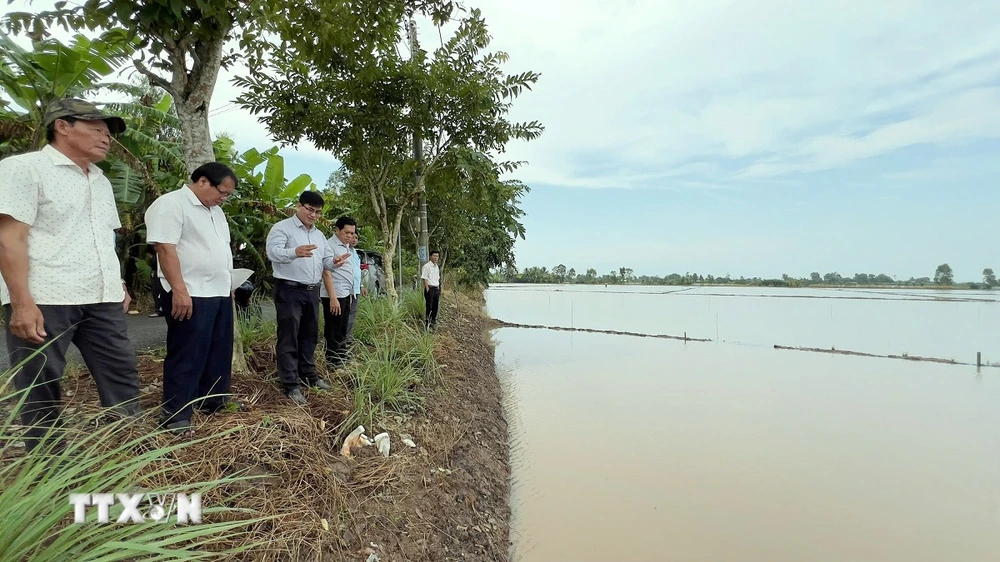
295, 395
321, 384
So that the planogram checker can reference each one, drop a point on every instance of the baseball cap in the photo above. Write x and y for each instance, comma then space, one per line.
81, 109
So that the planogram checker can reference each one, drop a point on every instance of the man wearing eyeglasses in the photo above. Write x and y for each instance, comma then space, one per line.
299, 254
195, 265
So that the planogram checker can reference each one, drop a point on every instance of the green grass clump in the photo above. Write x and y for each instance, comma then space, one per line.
412, 304
374, 318
120, 457
393, 355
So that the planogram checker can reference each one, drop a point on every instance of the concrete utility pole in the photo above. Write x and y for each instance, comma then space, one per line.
418, 156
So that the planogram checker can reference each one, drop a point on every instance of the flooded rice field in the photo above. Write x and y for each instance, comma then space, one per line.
633, 448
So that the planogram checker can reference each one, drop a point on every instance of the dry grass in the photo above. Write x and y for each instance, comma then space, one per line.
324, 506
292, 452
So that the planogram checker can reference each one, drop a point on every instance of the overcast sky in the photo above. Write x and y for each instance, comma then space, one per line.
744, 137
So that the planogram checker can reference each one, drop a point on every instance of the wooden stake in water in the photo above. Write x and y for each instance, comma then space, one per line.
979, 359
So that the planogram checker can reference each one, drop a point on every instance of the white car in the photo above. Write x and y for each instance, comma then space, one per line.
372, 271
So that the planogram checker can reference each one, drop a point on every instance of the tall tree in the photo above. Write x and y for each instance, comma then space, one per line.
559, 272
474, 217
181, 50
943, 275
365, 112
989, 278
182, 41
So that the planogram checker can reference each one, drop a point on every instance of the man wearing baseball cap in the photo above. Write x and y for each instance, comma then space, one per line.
60, 277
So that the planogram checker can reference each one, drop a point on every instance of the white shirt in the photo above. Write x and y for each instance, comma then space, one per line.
343, 276
202, 237
73, 216
432, 273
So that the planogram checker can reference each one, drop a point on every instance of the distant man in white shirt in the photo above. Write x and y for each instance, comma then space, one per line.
338, 288
61, 280
299, 255
195, 264
431, 276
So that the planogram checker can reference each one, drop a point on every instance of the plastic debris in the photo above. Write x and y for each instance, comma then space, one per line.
353, 440
409, 443
382, 442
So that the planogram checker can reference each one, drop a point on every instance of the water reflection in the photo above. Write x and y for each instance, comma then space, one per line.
641, 449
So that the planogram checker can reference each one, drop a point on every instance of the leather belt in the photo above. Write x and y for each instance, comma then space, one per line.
298, 285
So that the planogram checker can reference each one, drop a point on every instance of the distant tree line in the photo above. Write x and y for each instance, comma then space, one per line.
943, 277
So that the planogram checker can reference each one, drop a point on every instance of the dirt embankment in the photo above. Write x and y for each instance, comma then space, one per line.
452, 502
446, 499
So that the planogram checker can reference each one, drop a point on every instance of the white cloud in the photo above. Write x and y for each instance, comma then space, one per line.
790, 85
718, 92
966, 116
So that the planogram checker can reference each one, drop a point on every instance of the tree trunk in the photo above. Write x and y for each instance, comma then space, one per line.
389, 238
390, 275
441, 261
196, 136
192, 92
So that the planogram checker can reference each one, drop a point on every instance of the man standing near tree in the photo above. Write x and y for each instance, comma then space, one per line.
338, 288
431, 276
61, 281
195, 266
300, 255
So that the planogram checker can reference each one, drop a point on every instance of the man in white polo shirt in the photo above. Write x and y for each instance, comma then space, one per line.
431, 276
61, 280
337, 296
195, 264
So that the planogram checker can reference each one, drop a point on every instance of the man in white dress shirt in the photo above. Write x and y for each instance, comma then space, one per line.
337, 297
195, 265
431, 276
299, 255
61, 279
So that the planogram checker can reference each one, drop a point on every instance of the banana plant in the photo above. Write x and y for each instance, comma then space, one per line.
50, 71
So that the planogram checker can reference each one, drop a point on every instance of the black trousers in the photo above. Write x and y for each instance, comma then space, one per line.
199, 363
297, 311
100, 333
158, 292
335, 331
432, 295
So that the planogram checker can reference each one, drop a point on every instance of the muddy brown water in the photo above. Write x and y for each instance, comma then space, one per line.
627, 448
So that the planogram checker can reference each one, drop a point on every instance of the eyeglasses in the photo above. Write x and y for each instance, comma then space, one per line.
312, 210
225, 194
